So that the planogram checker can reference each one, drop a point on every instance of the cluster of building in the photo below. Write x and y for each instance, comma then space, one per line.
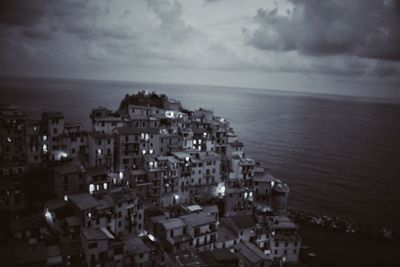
146, 186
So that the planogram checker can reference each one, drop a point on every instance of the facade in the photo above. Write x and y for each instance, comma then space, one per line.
147, 183
69, 178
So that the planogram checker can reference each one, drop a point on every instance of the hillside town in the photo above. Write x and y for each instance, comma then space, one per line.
149, 184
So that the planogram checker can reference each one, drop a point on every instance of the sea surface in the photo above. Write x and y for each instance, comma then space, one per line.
339, 155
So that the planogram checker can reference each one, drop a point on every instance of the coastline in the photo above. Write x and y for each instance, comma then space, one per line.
340, 249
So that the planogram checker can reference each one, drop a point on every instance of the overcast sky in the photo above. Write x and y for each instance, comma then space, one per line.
331, 46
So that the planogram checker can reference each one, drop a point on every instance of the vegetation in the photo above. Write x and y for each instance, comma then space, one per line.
143, 99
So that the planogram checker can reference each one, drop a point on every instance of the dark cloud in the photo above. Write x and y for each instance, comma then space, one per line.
364, 28
40, 19
171, 23
21, 12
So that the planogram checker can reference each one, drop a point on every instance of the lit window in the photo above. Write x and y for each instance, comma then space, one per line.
151, 151
99, 151
48, 216
144, 152
199, 141
65, 198
44, 137
105, 185
91, 188
44, 148
194, 142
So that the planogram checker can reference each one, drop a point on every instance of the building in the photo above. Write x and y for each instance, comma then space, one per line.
69, 178
101, 150
203, 230
285, 242
101, 247
13, 158
251, 256
53, 128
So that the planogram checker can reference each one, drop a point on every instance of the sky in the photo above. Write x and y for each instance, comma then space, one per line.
327, 46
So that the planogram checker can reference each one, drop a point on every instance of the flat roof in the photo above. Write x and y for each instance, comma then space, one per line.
135, 245
122, 195
198, 219
98, 233
84, 201
173, 223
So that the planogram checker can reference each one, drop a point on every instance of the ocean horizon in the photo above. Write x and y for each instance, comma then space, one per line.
338, 154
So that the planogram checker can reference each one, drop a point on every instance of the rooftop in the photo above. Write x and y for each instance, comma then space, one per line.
70, 167
173, 223
253, 254
283, 222
122, 195
97, 234
135, 245
198, 219
84, 201
264, 178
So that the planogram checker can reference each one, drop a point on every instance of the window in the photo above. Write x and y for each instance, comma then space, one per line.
103, 255
93, 245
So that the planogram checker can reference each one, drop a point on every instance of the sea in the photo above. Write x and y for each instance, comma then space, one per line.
339, 155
